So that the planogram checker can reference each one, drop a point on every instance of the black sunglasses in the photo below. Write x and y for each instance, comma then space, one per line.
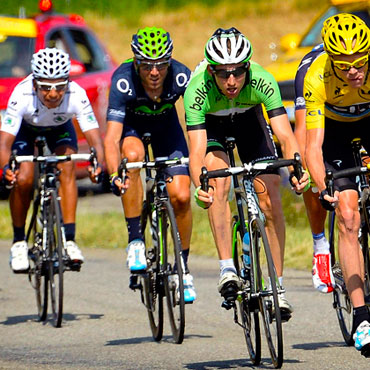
226, 73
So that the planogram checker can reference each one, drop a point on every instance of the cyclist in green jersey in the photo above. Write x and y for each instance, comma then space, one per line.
224, 98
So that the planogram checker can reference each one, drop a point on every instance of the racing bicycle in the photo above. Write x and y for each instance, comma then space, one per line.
259, 294
45, 231
162, 239
341, 300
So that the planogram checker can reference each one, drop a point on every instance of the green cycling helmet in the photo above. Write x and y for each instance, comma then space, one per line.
152, 43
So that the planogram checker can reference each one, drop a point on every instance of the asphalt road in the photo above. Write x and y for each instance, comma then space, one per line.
105, 326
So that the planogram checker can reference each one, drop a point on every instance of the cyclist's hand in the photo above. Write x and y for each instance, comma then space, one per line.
95, 176
9, 177
328, 202
117, 186
302, 185
202, 198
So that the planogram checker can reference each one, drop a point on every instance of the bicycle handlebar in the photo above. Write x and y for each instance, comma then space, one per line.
54, 158
251, 169
161, 162
350, 172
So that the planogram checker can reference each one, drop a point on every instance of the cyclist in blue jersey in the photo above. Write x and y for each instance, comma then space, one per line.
142, 99
224, 98
322, 276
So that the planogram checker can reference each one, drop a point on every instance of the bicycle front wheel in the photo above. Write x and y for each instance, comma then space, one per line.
266, 282
38, 273
247, 307
173, 279
341, 301
152, 282
56, 258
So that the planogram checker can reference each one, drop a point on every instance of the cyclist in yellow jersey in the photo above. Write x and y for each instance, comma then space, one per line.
337, 95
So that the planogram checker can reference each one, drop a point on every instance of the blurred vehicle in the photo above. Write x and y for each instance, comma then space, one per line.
91, 65
295, 47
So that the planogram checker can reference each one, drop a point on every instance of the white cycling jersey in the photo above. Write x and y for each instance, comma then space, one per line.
24, 105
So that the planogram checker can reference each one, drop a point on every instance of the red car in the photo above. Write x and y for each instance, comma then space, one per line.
91, 65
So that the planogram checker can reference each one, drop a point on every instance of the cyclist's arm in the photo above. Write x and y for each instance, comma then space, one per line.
6, 142
112, 145
281, 127
197, 153
94, 140
314, 156
300, 133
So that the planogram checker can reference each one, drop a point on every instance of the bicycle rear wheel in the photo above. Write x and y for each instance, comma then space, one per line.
152, 282
341, 301
266, 281
38, 275
173, 280
56, 258
247, 308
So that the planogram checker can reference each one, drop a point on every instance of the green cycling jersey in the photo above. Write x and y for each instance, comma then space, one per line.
202, 96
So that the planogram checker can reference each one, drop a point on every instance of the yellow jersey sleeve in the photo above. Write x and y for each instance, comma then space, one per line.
314, 93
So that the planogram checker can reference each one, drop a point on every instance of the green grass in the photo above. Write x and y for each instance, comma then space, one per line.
108, 230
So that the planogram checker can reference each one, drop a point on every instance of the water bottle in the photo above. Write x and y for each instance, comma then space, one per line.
246, 250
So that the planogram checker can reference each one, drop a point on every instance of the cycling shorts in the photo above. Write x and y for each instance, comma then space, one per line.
337, 149
56, 136
167, 140
253, 136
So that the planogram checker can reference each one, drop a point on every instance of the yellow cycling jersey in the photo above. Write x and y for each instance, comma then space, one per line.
327, 95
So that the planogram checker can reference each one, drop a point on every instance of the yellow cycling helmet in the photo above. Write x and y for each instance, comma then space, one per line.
345, 34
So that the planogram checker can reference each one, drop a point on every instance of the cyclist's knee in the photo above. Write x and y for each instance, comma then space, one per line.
181, 201
24, 181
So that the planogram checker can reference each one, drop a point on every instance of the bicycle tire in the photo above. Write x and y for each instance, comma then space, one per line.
56, 258
364, 240
268, 295
173, 279
38, 275
152, 282
341, 300
247, 308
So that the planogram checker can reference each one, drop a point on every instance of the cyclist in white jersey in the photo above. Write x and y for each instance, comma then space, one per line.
43, 104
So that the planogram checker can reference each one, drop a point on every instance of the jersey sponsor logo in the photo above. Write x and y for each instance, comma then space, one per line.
300, 102
8, 121
59, 119
123, 86
263, 86
364, 93
201, 95
21, 144
90, 118
338, 162
116, 112
315, 112
181, 79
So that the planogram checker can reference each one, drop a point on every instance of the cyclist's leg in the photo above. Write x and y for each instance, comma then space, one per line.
133, 149
19, 202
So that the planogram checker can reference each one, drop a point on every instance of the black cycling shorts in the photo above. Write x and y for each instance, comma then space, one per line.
167, 139
337, 149
56, 136
253, 135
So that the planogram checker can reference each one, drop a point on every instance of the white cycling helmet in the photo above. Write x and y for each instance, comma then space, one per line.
228, 47
50, 63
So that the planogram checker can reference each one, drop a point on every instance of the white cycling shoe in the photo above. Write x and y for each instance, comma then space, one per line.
19, 256
74, 252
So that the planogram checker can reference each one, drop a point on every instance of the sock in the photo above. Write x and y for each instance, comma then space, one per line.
70, 231
227, 266
360, 314
185, 256
18, 234
320, 244
134, 228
